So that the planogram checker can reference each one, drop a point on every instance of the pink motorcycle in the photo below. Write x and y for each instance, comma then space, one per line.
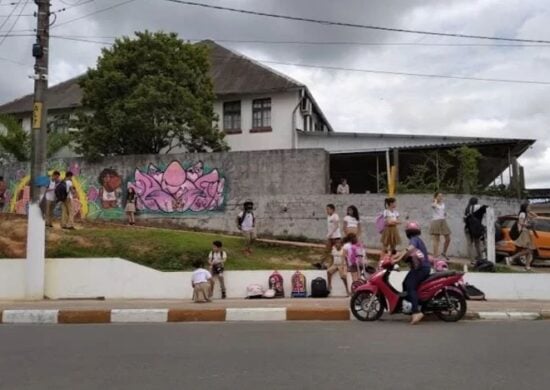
441, 294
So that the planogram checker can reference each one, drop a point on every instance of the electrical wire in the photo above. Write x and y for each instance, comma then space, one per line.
15, 22
352, 25
11, 13
93, 13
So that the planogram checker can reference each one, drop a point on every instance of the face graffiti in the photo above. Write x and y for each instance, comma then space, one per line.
110, 191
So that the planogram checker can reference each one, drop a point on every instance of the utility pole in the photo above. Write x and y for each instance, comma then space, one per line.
36, 231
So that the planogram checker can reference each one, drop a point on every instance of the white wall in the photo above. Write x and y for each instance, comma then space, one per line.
282, 105
118, 278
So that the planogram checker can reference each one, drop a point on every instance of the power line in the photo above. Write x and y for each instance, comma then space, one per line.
15, 22
405, 73
93, 13
353, 25
11, 13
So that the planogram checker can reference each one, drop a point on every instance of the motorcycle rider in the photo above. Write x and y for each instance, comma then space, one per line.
416, 255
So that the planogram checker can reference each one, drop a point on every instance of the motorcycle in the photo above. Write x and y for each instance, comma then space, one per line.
441, 294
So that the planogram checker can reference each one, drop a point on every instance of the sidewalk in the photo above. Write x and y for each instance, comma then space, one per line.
98, 311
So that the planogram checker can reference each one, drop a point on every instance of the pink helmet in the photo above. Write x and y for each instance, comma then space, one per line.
412, 226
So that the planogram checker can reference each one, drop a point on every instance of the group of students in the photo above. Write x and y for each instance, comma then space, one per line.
203, 280
59, 191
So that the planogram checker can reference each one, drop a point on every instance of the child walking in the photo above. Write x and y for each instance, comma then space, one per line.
338, 265
354, 253
216, 259
200, 281
390, 236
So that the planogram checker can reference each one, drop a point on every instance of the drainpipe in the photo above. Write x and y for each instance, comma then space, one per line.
294, 135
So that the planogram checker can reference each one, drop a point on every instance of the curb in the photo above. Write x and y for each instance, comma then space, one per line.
267, 314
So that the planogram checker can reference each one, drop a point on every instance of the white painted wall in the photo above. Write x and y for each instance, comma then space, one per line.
282, 105
12, 279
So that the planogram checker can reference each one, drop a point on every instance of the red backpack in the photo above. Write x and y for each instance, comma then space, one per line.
276, 284
299, 289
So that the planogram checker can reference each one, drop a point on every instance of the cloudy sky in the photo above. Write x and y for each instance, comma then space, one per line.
353, 101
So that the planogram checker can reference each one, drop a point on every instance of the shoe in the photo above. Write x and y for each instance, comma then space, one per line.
508, 260
416, 318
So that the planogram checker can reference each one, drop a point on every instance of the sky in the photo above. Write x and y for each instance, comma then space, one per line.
352, 101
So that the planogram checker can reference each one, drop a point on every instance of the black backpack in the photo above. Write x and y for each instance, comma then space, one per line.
61, 192
319, 288
483, 265
514, 231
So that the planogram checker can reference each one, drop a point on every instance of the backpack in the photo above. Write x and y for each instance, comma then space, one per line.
243, 216
473, 293
380, 223
276, 283
61, 192
483, 265
514, 231
319, 288
299, 289
353, 255
254, 291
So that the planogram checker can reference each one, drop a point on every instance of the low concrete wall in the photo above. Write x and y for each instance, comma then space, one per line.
120, 279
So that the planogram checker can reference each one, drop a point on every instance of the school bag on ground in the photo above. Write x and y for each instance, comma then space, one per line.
484, 265
299, 285
319, 288
254, 291
61, 192
380, 223
473, 293
276, 283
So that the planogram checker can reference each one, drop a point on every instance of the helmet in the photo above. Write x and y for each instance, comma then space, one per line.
412, 229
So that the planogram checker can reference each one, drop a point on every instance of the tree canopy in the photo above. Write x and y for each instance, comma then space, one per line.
148, 94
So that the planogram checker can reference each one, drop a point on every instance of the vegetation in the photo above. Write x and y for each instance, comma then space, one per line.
148, 95
15, 142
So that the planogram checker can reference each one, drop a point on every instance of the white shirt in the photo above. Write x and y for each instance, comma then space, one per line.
342, 189
50, 193
337, 256
333, 223
200, 275
217, 257
248, 222
438, 211
69, 185
351, 221
390, 215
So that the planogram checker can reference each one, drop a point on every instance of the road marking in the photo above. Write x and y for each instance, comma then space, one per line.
139, 315
29, 316
256, 314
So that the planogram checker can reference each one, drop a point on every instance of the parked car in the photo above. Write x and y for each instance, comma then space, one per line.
506, 247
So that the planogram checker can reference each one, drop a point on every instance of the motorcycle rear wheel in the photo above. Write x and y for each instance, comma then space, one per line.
366, 306
458, 303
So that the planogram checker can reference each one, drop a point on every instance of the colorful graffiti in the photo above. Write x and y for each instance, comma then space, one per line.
177, 189
174, 188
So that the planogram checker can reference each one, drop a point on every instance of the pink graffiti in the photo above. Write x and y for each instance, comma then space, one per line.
93, 194
179, 190
75, 168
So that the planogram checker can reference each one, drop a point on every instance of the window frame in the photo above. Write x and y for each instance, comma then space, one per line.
261, 107
232, 113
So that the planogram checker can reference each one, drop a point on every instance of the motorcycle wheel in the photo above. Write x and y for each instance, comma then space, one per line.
458, 303
366, 306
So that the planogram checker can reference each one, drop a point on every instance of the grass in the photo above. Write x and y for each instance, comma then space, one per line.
173, 250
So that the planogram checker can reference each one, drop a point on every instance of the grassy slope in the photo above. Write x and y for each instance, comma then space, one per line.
165, 249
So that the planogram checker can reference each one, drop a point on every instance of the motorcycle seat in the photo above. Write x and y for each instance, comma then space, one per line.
439, 275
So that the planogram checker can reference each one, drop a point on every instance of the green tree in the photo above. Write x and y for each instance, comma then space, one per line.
468, 169
15, 142
148, 95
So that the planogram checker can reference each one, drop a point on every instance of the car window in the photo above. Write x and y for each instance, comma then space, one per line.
543, 225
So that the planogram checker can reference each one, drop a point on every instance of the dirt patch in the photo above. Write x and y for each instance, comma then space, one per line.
12, 248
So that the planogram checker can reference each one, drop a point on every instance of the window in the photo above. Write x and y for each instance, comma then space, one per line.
261, 114
232, 117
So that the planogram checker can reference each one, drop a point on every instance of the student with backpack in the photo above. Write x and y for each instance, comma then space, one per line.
50, 198
64, 194
354, 253
524, 241
473, 227
216, 259
390, 235
246, 222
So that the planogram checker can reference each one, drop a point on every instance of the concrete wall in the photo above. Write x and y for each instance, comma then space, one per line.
298, 215
121, 279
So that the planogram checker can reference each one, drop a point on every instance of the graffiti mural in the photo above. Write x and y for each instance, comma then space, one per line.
176, 189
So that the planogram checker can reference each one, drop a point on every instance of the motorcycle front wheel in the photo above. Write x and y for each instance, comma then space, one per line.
457, 306
366, 306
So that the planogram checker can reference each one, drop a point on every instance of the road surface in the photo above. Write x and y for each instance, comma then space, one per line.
312, 355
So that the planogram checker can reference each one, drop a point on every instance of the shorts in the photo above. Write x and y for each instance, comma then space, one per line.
217, 269
439, 227
249, 235
341, 268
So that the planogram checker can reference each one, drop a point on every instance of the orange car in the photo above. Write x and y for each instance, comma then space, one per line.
506, 247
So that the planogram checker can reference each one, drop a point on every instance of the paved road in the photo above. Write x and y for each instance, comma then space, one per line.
351, 355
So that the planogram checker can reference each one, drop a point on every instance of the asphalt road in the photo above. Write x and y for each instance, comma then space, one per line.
313, 355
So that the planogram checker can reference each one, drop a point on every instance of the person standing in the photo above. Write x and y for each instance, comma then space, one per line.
525, 241
473, 227
50, 198
333, 227
216, 259
343, 187
131, 206
439, 226
67, 217
338, 265
3, 189
246, 221
390, 236
352, 223
354, 254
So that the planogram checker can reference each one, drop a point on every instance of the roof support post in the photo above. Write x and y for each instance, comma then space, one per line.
388, 169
